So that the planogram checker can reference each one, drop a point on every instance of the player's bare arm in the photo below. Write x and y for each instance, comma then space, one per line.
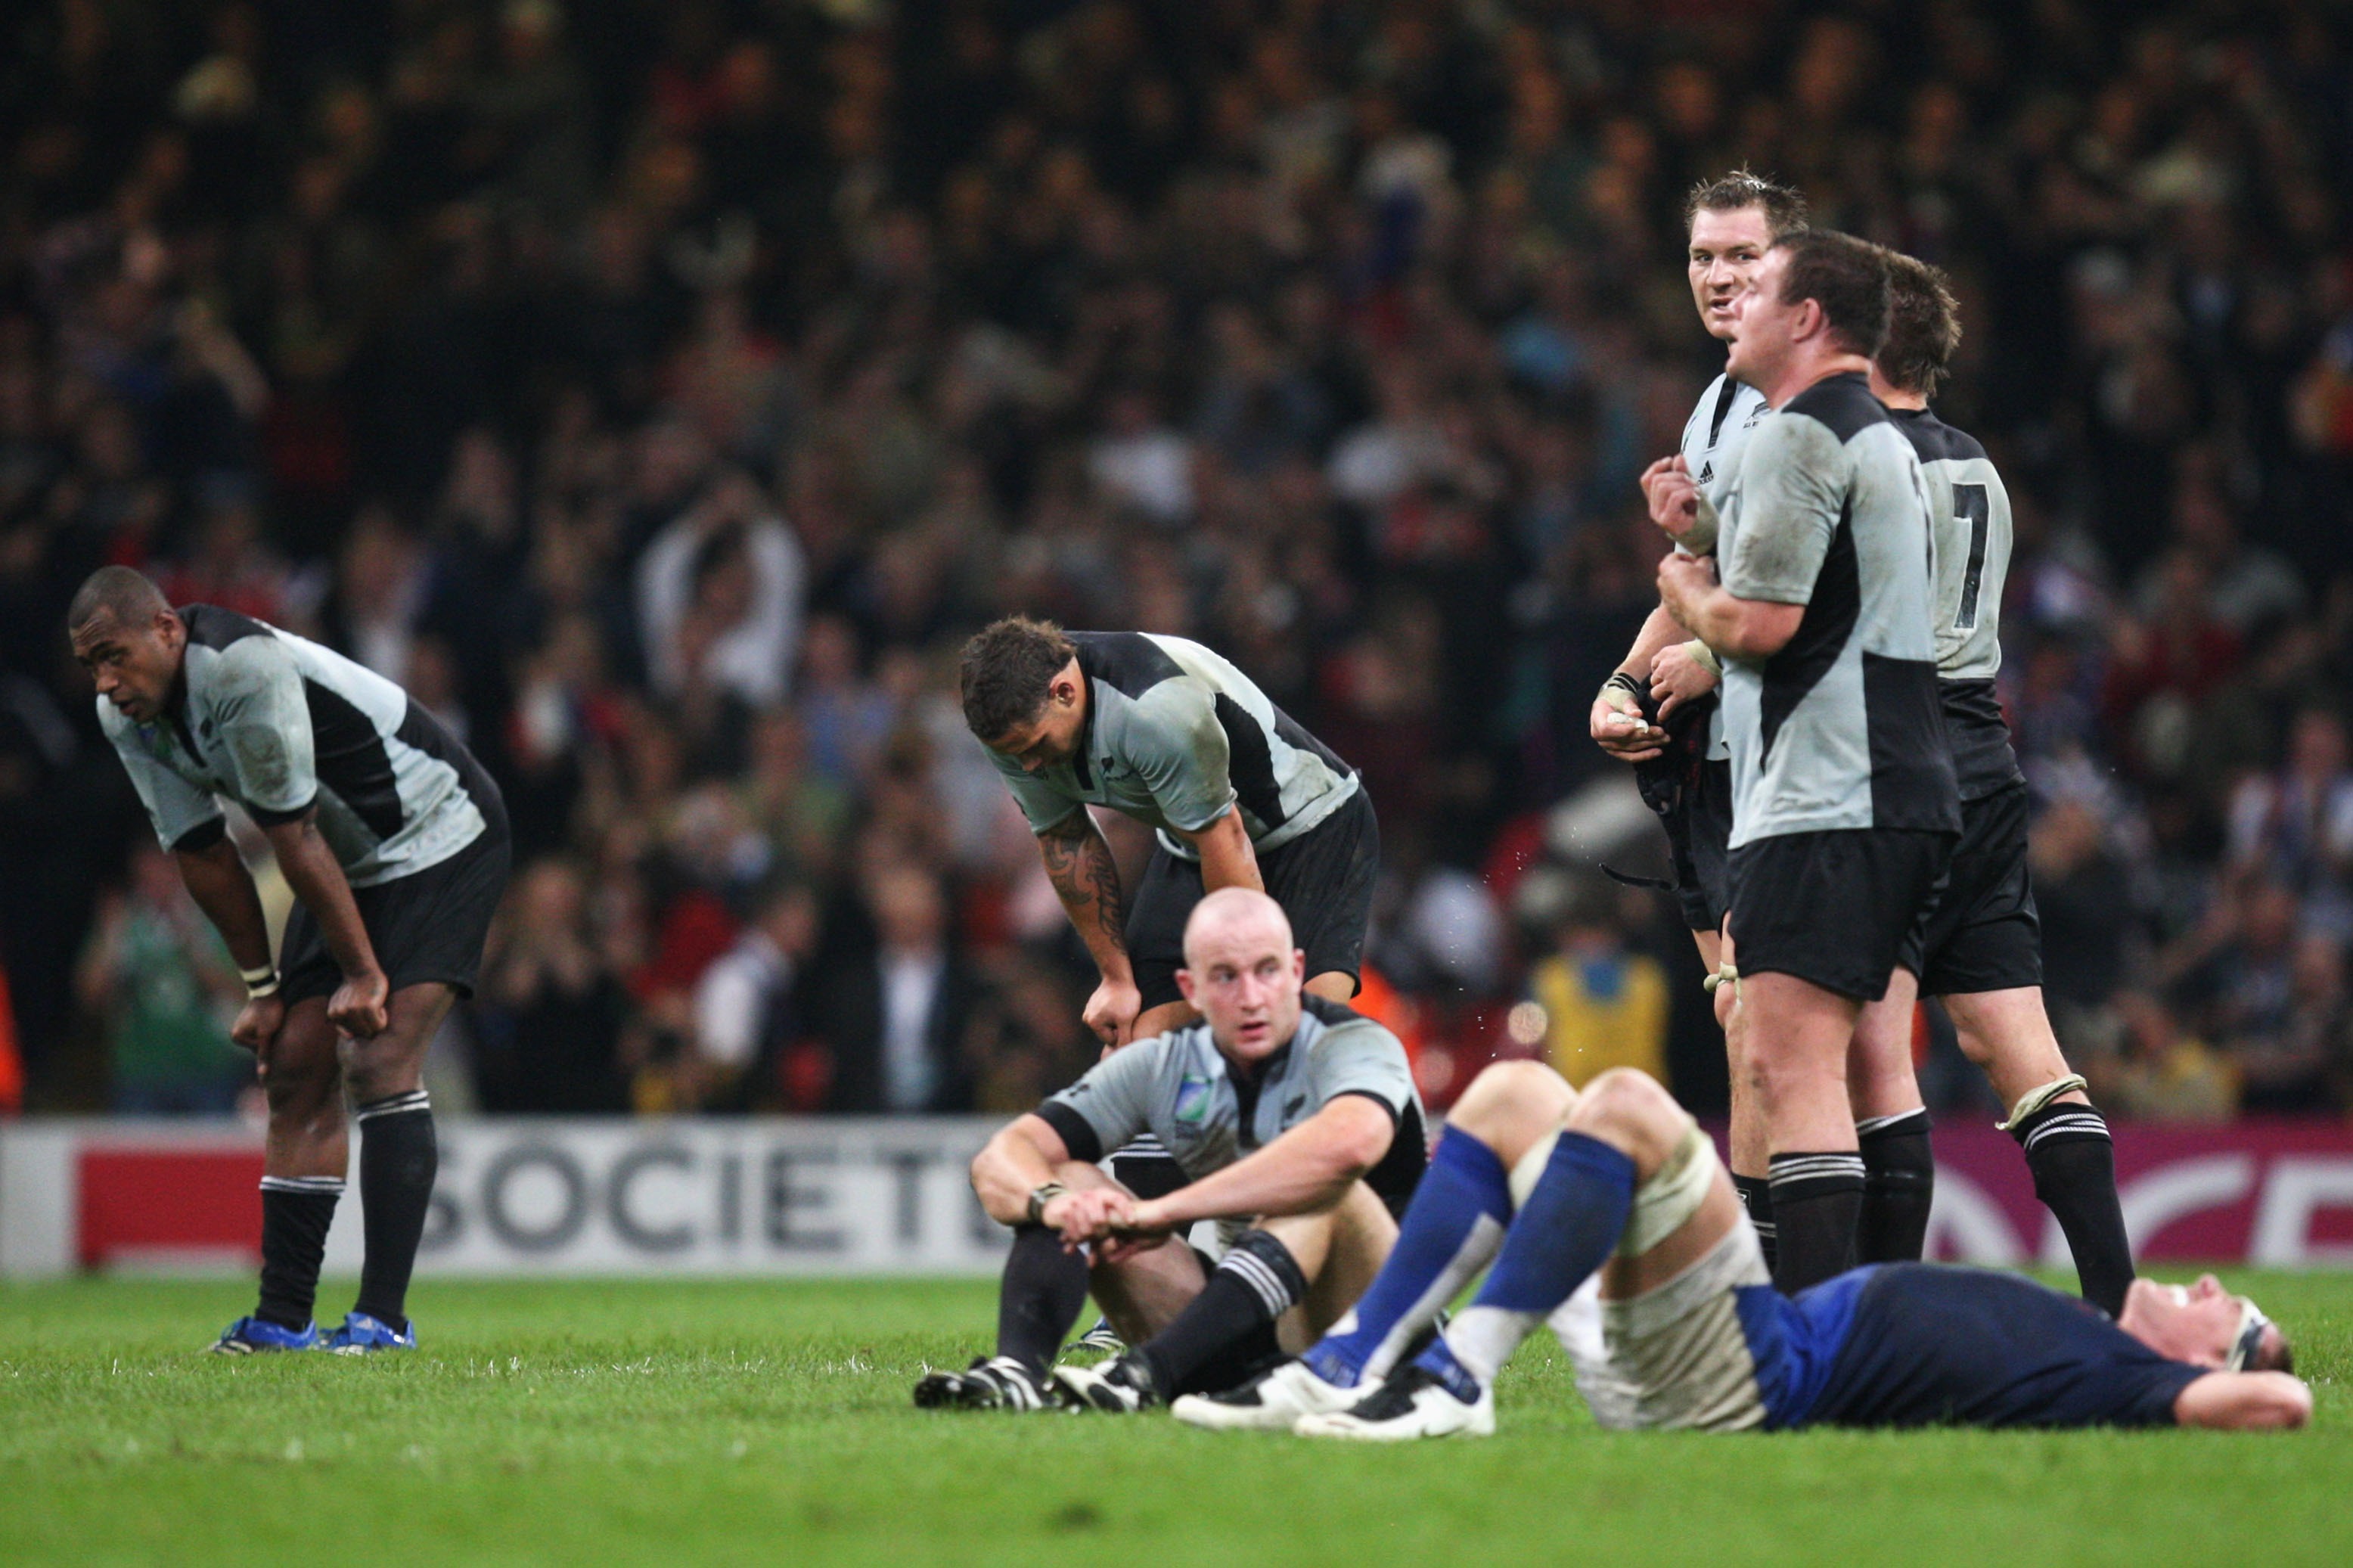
1078, 863
1227, 858
1739, 628
358, 1005
1616, 722
1306, 1170
216, 880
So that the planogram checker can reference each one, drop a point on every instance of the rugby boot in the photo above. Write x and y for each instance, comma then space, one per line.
362, 1333
1123, 1386
1271, 1402
991, 1383
251, 1336
1102, 1340
1414, 1402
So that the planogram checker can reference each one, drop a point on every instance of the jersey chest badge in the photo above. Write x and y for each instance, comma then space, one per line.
1193, 1100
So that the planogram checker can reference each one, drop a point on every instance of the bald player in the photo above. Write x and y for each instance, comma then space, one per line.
1297, 1127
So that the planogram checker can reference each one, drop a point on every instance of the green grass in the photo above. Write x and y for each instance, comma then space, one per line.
586, 1423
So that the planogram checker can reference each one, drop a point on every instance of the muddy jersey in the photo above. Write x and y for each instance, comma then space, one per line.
1175, 737
281, 725
1842, 728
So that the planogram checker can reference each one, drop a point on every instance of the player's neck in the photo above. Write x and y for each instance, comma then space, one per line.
1812, 369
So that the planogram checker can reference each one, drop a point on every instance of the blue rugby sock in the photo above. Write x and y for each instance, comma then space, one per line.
1566, 1230
1452, 1228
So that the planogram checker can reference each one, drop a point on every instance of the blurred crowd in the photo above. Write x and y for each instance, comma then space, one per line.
660, 392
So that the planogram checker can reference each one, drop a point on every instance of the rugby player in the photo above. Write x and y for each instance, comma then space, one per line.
395, 842
1844, 805
1554, 1184
1166, 731
1982, 949
1683, 759
1295, 1122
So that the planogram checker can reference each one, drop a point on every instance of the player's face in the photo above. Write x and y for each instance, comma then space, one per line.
1245, 978
1726, 250
1761, 325
2196, 1323
1052, 736
132, 667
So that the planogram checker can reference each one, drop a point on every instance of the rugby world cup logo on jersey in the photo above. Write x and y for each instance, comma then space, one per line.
1193, 1100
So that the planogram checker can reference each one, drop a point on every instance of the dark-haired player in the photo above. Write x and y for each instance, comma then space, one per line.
1844, 809
395, 842
1686, 767
1554, 1184
1166, 731
1982, 949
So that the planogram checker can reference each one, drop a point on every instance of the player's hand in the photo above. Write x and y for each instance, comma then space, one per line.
1676, 677
1145, 1226
1089, 1215
360, 1006
1683, 582
1112, 1010
1673, 495
258, 1022
1618, 727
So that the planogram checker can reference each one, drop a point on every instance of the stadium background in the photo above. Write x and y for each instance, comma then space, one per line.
660, 392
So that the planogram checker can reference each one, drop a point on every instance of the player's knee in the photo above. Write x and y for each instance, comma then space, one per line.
1507, 1093
1626, 1106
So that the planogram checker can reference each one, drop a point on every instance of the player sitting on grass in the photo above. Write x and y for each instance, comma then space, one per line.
1554, 1184
1295, 1122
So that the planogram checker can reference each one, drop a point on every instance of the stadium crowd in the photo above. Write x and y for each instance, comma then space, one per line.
661, 393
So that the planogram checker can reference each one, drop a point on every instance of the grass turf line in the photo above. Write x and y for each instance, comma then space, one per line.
676, 1422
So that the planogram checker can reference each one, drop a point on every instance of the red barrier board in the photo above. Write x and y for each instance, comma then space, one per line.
161, 1202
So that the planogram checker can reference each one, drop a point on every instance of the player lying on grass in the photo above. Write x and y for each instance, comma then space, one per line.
1554, 1184
1296, 1124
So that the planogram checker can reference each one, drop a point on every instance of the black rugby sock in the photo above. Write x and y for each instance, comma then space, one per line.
398, 1158
1252, 1286
1817, 1199
1757, 1197
2074, 1164
295, 1214
1043, 1289
1899, 1177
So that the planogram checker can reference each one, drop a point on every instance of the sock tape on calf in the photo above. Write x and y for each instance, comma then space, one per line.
2034, 1099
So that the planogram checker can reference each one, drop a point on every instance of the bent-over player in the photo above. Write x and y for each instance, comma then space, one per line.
1165, 731
1554, 1184
396, 843
1295, 1122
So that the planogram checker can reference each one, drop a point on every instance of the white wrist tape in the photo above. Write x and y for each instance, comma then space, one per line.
260, 982
1704, 656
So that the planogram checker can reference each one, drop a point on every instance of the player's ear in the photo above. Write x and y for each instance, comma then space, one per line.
1185, 984
1299, 965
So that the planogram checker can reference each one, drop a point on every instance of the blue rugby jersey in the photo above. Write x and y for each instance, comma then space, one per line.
1913, 1344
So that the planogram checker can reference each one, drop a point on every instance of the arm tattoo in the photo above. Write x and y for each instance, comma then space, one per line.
1079, 865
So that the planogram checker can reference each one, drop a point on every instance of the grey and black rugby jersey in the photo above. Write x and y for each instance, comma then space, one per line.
1969, 511
1181, 1088
1842, 727
1173, 736
278, 723
1714, 439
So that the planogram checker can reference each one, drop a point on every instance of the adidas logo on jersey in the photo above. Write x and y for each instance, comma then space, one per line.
1707, 470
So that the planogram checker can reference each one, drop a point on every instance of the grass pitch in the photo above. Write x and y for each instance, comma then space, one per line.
592, 1423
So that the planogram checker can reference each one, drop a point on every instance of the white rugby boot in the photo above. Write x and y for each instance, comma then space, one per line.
1414, 1402
1272, 1402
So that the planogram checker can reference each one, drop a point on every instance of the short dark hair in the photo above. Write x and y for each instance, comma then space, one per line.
1005, 670
1923, 325
117, 595
1846, 277
2273, 1352
1785, 208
